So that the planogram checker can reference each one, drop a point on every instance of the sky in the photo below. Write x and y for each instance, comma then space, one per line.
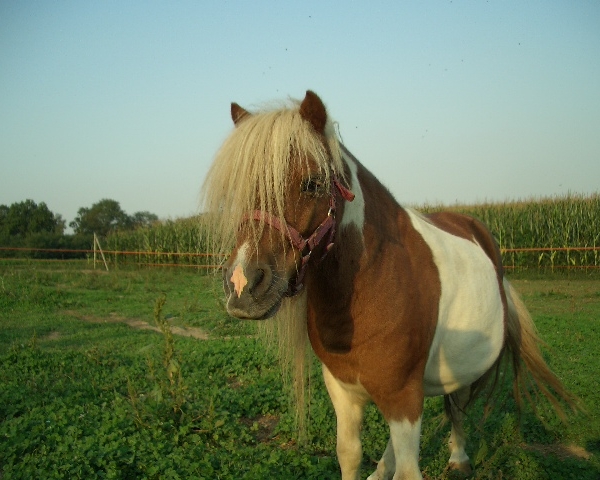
444, 101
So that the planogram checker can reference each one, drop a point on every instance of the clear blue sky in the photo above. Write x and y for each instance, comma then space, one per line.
444, 101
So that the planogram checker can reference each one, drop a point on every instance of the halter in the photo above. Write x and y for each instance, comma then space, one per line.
307, 244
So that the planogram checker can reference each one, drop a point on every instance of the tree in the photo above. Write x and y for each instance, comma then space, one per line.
143, 219
3, 215
101, 218
26, 218
61, 224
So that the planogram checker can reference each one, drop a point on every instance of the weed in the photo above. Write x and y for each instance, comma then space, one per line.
174, 388
168, 390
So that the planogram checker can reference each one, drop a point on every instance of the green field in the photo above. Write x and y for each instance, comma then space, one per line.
89, 390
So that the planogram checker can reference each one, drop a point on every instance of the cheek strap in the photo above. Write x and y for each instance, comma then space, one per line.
297, 240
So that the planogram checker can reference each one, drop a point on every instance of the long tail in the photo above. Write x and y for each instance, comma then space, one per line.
529, 367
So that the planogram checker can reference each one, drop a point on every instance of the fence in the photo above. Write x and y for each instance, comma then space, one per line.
116, 258
547, 258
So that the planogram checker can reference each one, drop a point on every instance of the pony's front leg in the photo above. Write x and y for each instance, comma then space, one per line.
405, 436
400, 460
349, 403
403, 411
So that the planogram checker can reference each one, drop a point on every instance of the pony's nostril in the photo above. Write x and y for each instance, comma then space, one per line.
258, 280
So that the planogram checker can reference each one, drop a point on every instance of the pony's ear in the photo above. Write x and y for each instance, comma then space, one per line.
313, 111
238, 113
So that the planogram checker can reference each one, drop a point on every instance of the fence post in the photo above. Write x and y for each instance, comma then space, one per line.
97, 243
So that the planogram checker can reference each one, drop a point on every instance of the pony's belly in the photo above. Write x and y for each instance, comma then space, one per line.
470, 330
469, 334
461, 358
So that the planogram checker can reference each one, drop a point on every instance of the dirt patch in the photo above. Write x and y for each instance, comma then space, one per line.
192, 332
263, 427
51, 336
560, 451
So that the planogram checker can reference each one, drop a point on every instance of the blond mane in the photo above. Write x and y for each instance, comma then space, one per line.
253, 167
252, 170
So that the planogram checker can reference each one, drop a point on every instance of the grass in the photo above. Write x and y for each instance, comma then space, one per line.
84, 394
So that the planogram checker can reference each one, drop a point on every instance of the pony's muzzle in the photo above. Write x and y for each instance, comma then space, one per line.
252, 292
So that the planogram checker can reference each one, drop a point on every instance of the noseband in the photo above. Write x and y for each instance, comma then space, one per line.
307, 245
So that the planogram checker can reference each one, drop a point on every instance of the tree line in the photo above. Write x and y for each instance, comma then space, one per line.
30, 225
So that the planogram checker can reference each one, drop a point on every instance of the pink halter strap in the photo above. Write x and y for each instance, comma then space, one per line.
327, 226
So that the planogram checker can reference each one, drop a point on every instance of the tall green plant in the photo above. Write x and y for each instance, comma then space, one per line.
553, 223
557, 222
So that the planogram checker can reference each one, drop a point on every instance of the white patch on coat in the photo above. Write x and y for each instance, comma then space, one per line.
470, 330
458, 455
354, 211
241, 257
405, 438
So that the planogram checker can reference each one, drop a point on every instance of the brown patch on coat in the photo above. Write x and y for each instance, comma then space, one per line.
362, 326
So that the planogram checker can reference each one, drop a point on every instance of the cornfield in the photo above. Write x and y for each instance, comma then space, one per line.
178, 242
559, 225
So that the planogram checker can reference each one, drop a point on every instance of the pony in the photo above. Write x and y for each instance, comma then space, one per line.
396, 305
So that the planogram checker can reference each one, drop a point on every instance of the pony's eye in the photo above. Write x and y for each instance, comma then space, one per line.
312, 185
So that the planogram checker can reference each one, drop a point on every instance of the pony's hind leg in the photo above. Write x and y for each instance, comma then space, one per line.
387, 465
348, 402
454, 405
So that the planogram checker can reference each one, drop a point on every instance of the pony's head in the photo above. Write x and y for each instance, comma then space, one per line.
271, 196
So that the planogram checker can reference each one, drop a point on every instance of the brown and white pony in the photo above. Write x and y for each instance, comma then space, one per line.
396, 305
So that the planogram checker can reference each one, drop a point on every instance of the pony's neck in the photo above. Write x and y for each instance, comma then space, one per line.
367, 222
374, 210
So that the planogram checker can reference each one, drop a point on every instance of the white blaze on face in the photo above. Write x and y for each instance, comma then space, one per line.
239, 279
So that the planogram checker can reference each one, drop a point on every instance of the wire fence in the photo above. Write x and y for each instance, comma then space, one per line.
113, 258
544, 258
